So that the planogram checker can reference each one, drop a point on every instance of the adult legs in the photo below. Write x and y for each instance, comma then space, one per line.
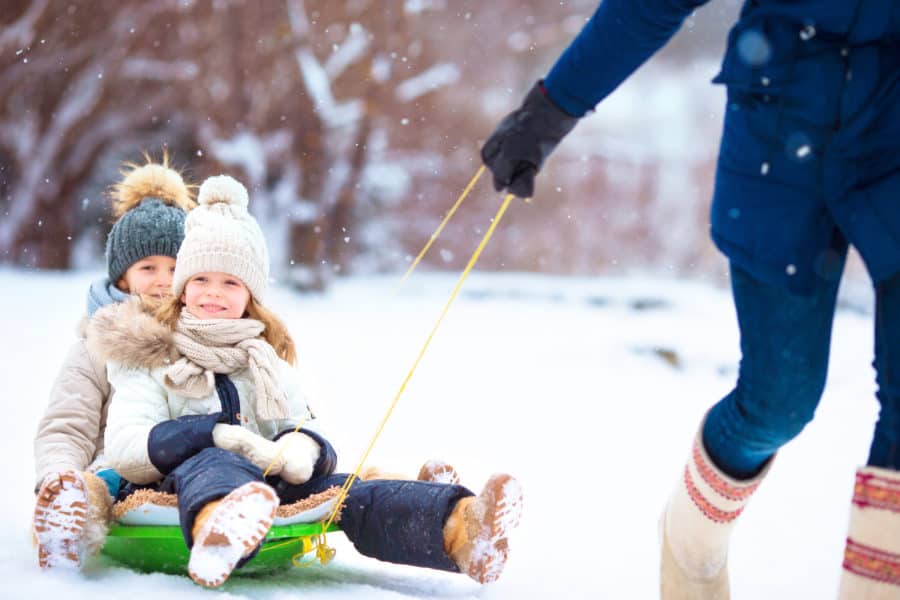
885, 450
784, 345
785, 341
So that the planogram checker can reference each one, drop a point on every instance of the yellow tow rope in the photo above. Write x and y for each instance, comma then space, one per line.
324, 553
440, 227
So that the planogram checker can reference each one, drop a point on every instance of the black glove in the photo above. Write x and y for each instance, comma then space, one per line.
523, 140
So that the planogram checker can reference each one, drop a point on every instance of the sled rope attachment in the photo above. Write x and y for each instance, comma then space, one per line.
323, 552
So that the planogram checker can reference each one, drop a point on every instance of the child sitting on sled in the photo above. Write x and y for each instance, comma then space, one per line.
206, 398
74, 481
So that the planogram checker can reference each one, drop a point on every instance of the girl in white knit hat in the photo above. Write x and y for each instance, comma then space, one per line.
206, 397
74, 483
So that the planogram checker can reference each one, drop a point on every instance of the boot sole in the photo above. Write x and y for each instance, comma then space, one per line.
60, 517
501, 500
234, 529
436, 471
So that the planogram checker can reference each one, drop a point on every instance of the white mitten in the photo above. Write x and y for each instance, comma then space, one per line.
254, 447
299, 455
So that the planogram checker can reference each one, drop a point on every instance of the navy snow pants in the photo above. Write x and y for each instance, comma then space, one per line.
391, 520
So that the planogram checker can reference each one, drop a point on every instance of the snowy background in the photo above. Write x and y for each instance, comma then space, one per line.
354, 125
587, 390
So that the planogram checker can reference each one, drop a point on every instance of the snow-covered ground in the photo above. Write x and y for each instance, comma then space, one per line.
587, 390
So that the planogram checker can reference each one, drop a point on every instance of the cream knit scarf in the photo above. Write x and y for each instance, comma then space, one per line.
224, 346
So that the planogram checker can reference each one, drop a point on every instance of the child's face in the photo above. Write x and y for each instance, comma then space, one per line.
151, 276
215, 296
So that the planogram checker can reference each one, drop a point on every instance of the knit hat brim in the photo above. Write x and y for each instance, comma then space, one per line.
243, 267
221, 236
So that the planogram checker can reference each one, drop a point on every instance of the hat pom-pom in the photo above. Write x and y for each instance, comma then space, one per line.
223, 189
150, 181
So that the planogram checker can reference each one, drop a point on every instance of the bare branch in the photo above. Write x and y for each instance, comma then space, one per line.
436, 77
352, 49
21, 33
159, 70
297, 17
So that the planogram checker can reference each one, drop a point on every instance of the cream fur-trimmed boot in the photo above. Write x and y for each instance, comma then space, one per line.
229, 529
696, 526
475, 534
872, 554
71, 517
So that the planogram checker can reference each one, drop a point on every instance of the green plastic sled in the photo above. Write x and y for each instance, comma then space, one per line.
161, 548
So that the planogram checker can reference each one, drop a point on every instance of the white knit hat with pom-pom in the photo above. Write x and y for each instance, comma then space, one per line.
221, 236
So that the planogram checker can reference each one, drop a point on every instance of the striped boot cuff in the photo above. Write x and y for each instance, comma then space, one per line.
719, 497
872, 554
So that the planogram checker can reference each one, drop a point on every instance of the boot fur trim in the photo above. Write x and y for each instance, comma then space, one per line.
99, 514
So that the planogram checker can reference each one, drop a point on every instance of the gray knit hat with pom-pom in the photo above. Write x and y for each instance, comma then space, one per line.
150, 203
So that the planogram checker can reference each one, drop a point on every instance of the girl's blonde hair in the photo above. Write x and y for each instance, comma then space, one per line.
275, 332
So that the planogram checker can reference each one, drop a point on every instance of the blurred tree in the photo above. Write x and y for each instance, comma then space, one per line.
69, 84
298, 104
354, 124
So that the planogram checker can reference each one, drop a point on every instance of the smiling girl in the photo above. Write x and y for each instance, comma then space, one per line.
206, 397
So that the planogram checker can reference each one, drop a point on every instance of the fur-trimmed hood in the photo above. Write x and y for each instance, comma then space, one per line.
127, 333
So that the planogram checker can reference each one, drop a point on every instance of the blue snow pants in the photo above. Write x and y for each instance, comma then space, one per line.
391, 520
785, 341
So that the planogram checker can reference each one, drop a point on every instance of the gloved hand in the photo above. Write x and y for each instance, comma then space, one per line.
299, 453
254, 447
522, 141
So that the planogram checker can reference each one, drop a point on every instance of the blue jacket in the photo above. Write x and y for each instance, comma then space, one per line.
810, 151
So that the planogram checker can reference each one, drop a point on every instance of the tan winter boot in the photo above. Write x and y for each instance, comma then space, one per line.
475, 534
872, 555
696, 526
434, 471
229, 529
71, 518
438, 471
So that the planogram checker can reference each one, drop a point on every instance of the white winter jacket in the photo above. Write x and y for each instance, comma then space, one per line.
141, 401
139, 349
